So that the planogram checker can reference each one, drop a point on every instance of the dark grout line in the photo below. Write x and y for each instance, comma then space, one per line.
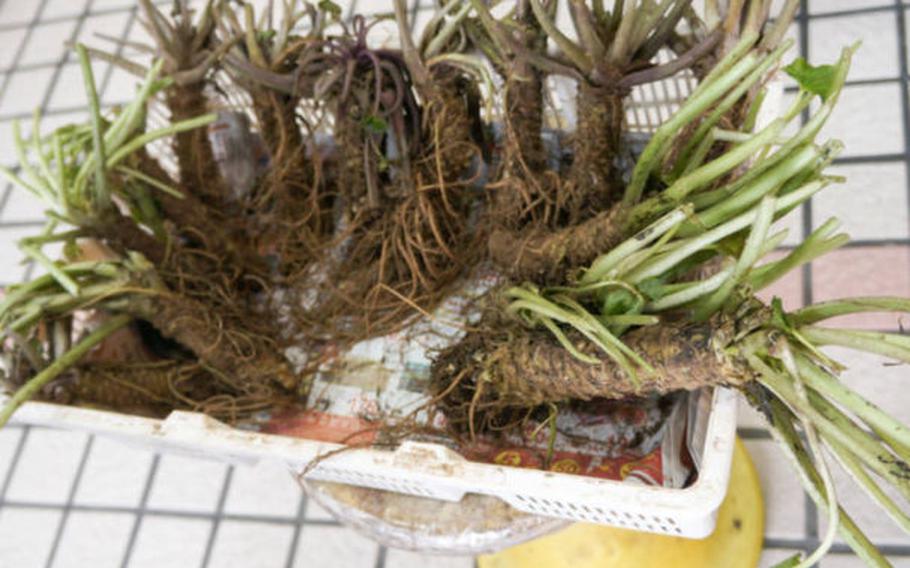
412, 16
28, 67
177, 514
854, 83
14, 464
810, 525
20, 224
15, 26
68, 507
219, 515
904, 69
52, 86
352, 11
837, 547
17, 58
102, 88
850, 12
868, 159
141, 512
298, 529
381, 557
4, 197
860, 243
58, 111
751, 433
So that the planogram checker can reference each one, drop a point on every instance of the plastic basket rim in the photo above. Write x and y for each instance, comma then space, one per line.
176, 433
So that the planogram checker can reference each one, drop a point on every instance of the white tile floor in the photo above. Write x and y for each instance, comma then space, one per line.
70, 500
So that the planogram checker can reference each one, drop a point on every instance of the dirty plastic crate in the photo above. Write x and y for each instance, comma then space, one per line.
432, 470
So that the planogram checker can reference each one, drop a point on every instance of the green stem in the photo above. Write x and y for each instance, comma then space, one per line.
693, 245
564, 341
862, 445
733, 199
61, 276
721, 135
132, 116
733, 97
664, 244
54, 238
863, 479
646, 22
815, 245
22, 292
815, 447
252, 45
70, 358
788, 440
809, 130
568, 47
724, 164
625, 24
683, 293
690, 292
55, 304
148, 137
700, 154
826, 310
896, 434
39, 185
43, 161
886, 344
629, 319
34, 190
436, 45
697, 103
576, 316
752, 252
754, 108
833, 424
603, 332
102, 196
151, 181
606, 262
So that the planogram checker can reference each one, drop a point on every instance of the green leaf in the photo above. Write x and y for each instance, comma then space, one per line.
375, 124
330, 8
820, 80
779, 319
790, 562
71, 250
652, 288
620, 301
265, 36
734, 244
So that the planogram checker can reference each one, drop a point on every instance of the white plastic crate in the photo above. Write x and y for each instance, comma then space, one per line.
432, 470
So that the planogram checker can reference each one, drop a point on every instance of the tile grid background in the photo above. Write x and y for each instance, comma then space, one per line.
69, 499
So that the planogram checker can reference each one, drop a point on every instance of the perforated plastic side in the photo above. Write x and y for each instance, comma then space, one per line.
582, 512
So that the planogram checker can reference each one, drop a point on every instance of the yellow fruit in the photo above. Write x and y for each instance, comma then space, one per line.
736, 542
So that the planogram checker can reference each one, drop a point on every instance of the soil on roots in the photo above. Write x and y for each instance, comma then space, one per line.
503, 370
400, 259
276, 116
595, 147
547, 256
251, 358
198, 169
544, 223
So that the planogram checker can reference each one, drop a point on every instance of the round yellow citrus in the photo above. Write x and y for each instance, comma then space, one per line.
735, 543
